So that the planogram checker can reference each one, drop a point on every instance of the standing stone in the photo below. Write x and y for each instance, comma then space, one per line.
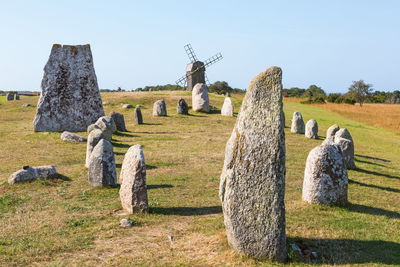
72, 137
325, 176
182, 107
33, 173
93, 139
138, 116
106, 124
91, 127
133, 191
10, 97
195, 73
70, 98
345, 141
102, 170
200, 100
159, 108
312, 129
119, 121
297, 123
16, 97
252, 185
332, 130
227, 107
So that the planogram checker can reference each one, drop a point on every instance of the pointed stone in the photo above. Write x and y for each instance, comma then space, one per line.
182, 107
102, 170
332, 130
137, 114
345, 141
227, 107
93, 139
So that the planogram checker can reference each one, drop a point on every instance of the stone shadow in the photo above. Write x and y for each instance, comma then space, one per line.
145, 123
156, 186
373, 158
377, 173
150, 167
125, 134
371, 210
120, 145
186, 211
389, 189
368, 162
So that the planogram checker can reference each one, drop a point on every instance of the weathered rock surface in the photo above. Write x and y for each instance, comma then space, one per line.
200, 101
297, 123
252, 184
137, 116
312, 129
332, 130
93, 139
125, 223
182, 107
227, 107
107, 125
91, 127
72, 137
102, 170
127, 106
159, 108
16, 96
133, 191
119, 121
9, 97
345, 141
70, 98
325, 176
33, 173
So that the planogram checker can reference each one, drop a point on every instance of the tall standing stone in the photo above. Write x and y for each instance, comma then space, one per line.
119, 121
182, 107
195, 73
70, 98
345, 141
159, 108
137, 116
16, 97
200, 101
297, 123
93, 139
227, 107
102, 170
9, 97
133, 191
252, 185
312, 129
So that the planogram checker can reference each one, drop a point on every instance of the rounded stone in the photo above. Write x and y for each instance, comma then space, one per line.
159, 108
312, 129
227, 107
200, 101
297, 123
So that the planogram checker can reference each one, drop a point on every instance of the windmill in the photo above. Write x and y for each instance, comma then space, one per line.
195, 70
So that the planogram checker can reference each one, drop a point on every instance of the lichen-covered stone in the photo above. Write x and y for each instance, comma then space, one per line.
33, 173
72, 137
9, 97
93, 139
119, 121
70, 98
312, 129
297, 123
332, 130
227, 107
159, 108
137, 116
183, 107
252, 185
107, 125
102, 171
200, 101
91, 127
133, 191
345, 141
325, 175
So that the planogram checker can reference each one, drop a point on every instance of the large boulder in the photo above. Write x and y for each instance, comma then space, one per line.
297, 123
33, 173
70, 98
325, 175
102, 170
72, 137
227, 107
93, 139
159, 108
200, 101
332, 130
252, 185
119, 121
137, 116
107, 125
345, 141
133, 191
312, 129
182, 107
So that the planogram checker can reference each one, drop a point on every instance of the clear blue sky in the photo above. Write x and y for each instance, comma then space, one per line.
139, 43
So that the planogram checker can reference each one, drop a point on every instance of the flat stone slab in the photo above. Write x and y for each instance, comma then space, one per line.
33, 173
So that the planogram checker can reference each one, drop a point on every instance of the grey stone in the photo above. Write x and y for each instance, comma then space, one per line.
9, 97
297, 123
195, 73
33, 173
133, 191
252, 185
127, 106
91, 127
119, 121
93, 139
72, 137
325, 176
200, 101
137, 116
107, 125
70, 98
102, 170
16, 96
182, 107
345, 141
159, 108
312, 129
26, 105
106, 103
126, 223
227, 107
332, 130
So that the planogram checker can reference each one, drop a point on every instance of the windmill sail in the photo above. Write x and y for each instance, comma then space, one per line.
190, 52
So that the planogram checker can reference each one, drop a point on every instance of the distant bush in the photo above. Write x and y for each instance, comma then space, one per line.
332, 98
315, 100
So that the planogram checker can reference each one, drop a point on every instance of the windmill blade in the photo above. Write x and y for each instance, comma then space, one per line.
206, 80
190, 52
213, 59
181, 81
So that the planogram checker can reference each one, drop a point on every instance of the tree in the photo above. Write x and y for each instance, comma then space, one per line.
220, 88
314, 91
360, 91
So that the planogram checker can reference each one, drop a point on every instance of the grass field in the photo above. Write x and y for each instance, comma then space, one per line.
65, 222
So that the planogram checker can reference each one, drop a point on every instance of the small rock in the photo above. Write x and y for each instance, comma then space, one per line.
72, 137
137, 114
126, 223
297, 123
182, 107
106, 103
171, 239
159, 108
30, 174
26, 105
127, 106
